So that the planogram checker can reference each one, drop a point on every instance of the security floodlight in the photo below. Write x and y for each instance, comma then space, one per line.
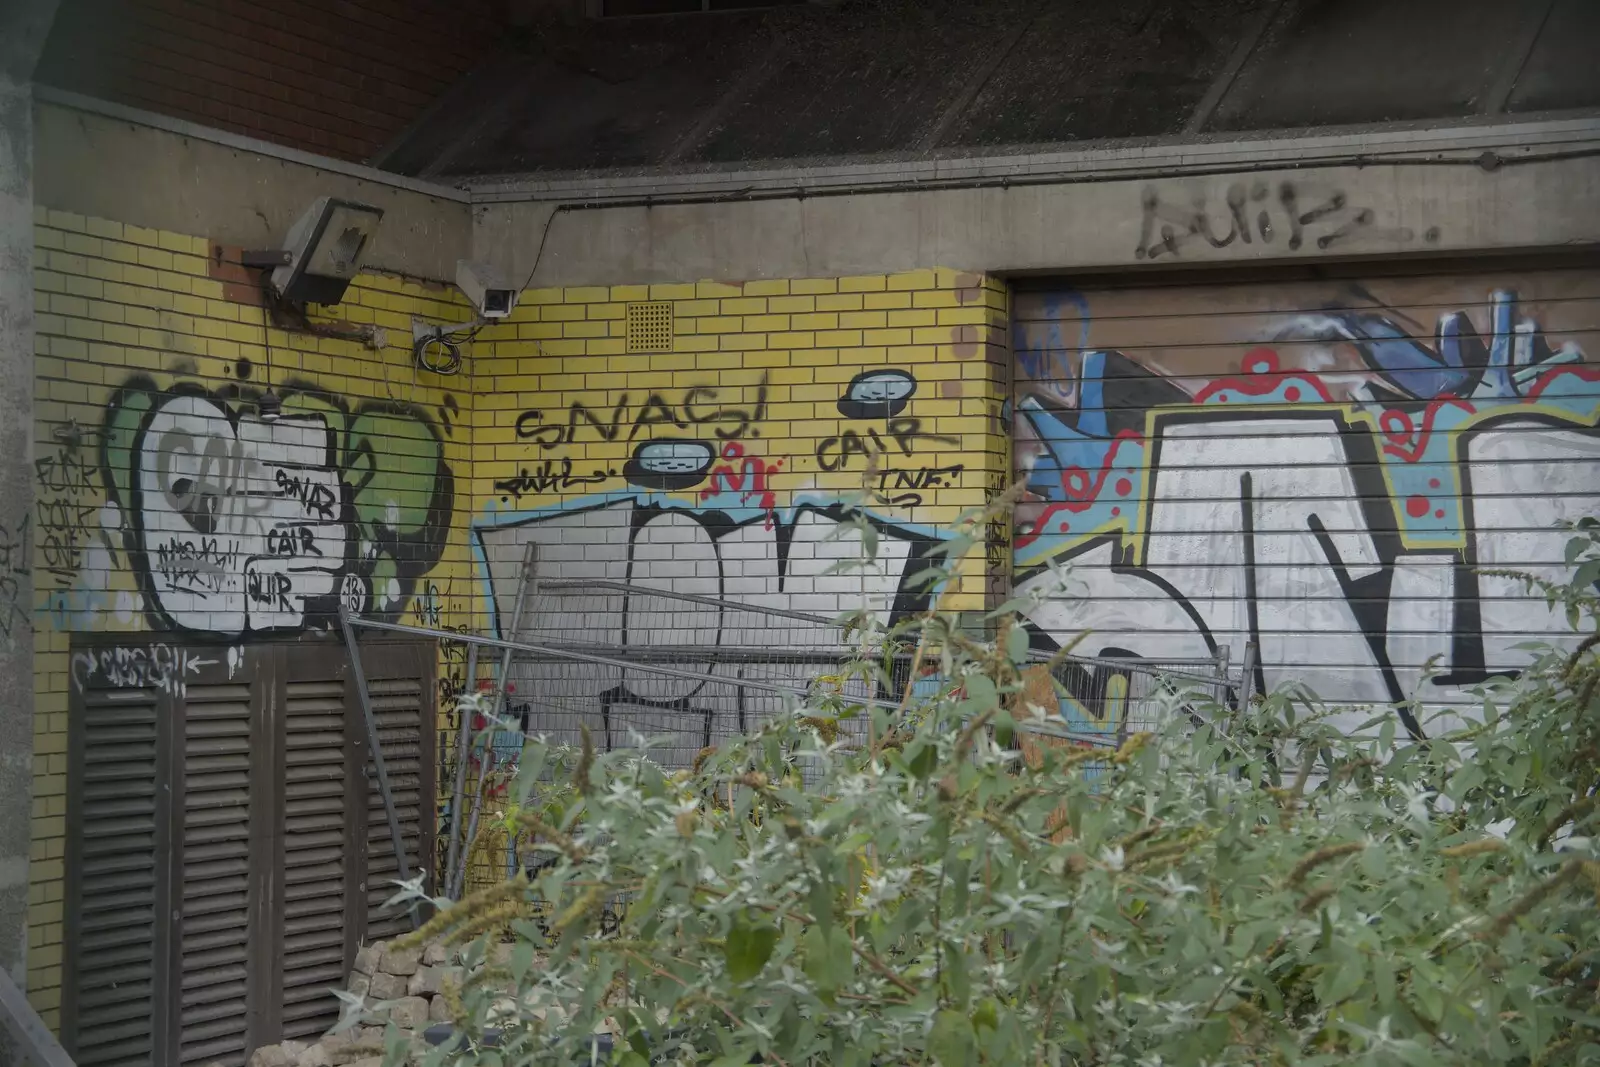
322, 253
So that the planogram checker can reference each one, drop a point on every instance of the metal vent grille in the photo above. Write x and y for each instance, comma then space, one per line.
313, 856
116, 890
397, 705
650, 326
215, 937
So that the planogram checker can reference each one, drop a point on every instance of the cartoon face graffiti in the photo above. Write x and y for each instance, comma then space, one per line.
238, 524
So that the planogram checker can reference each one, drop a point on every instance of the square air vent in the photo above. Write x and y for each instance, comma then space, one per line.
650, 327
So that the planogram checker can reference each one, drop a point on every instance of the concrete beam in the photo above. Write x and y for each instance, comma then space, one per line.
24, 26
1252, 216
114, 163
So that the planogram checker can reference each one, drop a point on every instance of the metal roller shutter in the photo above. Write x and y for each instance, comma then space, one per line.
1321, 464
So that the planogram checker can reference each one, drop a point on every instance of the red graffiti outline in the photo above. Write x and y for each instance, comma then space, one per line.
754, 471
1585, 372
1260, 363
1398, 438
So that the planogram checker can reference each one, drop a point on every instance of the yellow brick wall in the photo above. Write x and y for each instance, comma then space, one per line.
128, 319
756, 384
540, 436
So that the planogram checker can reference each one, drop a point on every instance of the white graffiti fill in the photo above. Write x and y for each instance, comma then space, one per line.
240, 522
157, 666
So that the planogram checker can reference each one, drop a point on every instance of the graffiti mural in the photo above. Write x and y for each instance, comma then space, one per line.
696, 490
233, 524
1328, 480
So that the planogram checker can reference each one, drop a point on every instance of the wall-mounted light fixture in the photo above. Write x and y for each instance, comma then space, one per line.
322, 252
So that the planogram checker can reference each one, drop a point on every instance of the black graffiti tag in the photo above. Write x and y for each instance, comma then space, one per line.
547, 476
699, 405
1252, 214
903, 487
835, 453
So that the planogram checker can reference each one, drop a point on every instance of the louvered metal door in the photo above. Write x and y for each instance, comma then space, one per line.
400, 678
228, 847
213, 838
113, 964
323, 742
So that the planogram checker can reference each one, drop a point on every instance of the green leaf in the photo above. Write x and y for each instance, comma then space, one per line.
747, 948
827, 959
952, 1042
922, 759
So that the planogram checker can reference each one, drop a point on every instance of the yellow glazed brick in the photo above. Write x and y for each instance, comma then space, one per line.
863, 320
839, 302
625, 293
964, 316
916, 317
689, 309
839, 338
744, 305
672, 292
765, 323
885, 301
753, 342
913, 279
887, 337
82, 244
815, 321
717, 289
719, 324
767, 287
936, 298
863, 283
586, 294
812, 286
608, 311
66, 220
695, 343
788, 304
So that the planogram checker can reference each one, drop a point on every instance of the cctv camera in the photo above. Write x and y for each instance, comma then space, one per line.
493, 295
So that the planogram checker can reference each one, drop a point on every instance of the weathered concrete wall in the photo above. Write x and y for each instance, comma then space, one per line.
23, 27
1310, 213
16, 502
164, 180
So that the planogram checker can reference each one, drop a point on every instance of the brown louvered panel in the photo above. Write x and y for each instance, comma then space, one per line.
114, 881
215, 887
398, 706
315, 809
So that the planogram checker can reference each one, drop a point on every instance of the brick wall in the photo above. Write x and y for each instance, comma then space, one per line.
767, 390
340, 79
770, 398
137, 339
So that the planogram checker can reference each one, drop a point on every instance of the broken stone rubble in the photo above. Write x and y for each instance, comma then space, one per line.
403, 987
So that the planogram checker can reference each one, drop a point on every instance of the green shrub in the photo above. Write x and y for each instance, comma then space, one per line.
1255, 890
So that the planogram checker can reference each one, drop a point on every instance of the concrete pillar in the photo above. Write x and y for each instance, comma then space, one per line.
23, 26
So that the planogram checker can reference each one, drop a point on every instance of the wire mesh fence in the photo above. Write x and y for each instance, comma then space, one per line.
691, 671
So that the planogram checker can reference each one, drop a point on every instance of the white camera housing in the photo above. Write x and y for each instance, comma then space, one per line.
493, 294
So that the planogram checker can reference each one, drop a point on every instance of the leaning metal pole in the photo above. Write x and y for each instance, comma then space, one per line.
378, 767
526, 578
458, 794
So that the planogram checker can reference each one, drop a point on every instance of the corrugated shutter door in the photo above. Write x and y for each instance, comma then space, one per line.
402, 704
1330, 463
215, 876
315, 855
114, 883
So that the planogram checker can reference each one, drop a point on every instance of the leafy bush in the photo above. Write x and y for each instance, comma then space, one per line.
1256, 889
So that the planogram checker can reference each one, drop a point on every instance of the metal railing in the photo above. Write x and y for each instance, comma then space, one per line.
31, 1036
689, 670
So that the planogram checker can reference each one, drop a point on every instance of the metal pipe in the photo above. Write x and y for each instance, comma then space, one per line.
458, 798
33, 1038
376, 749
526, 577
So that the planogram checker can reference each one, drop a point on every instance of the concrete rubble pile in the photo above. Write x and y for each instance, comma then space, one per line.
406, 987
